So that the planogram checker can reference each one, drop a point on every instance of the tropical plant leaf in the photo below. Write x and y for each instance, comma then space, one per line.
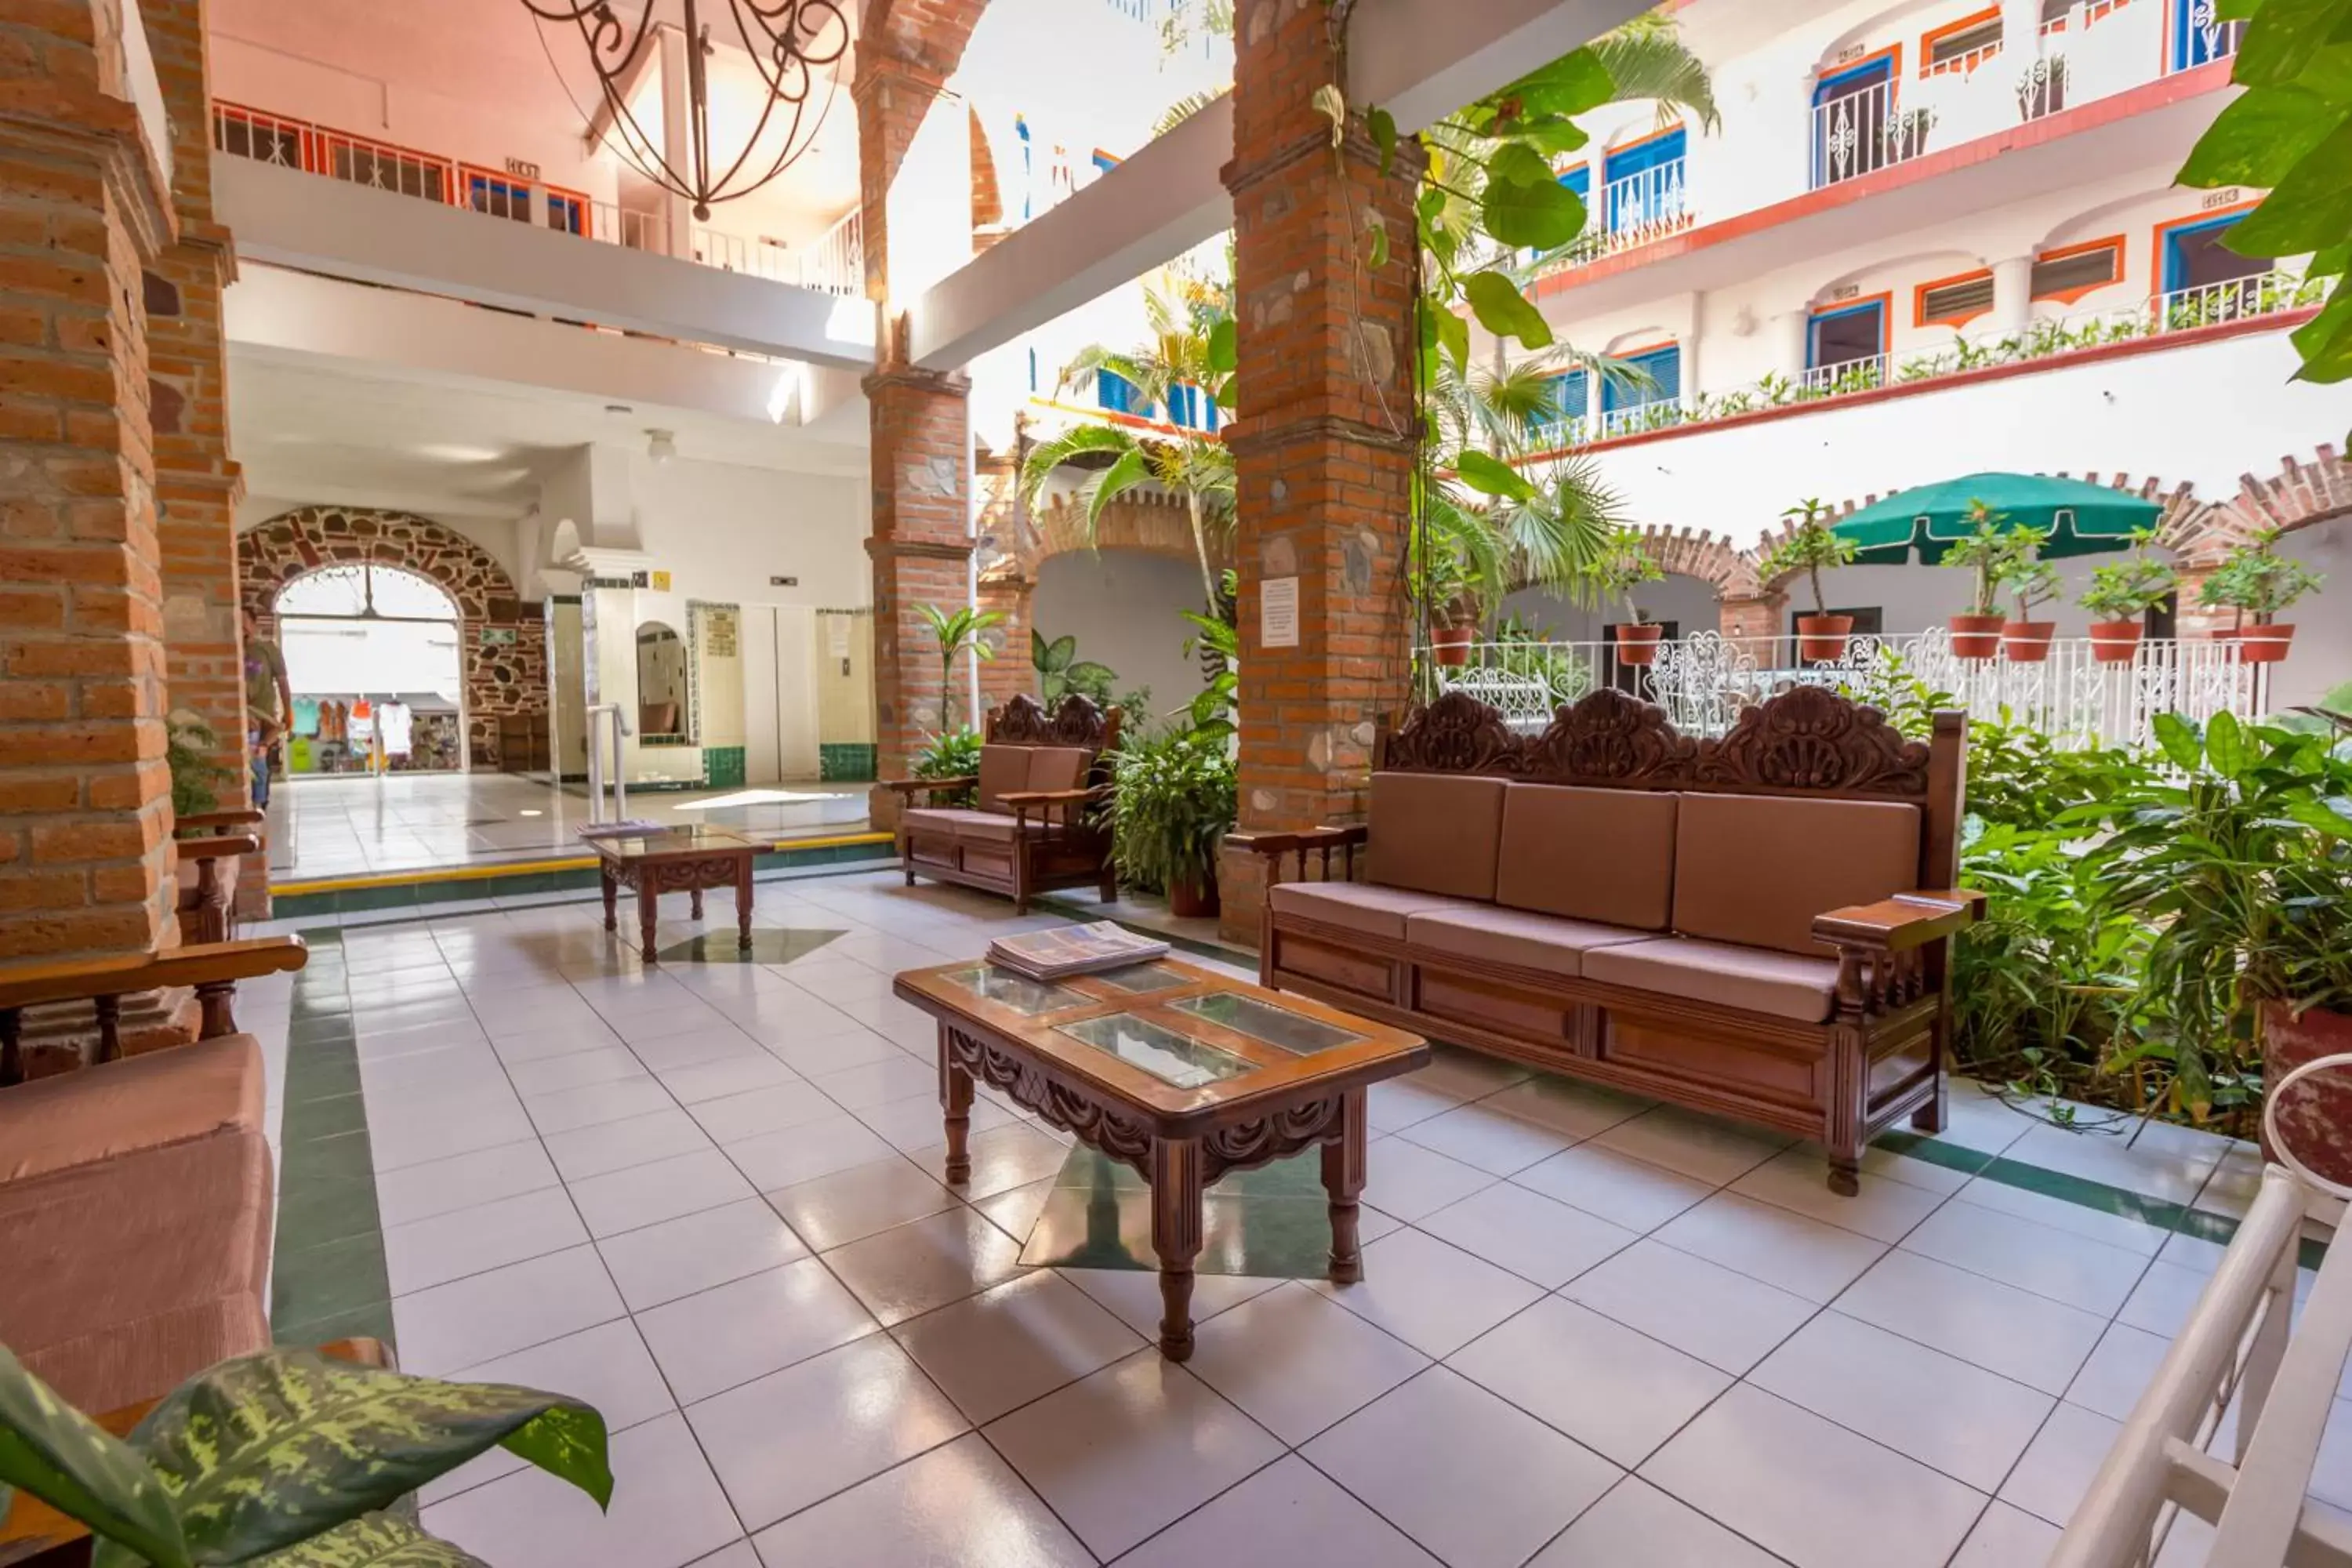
2256, 140
2225, 744
1225, 347
1383, 126
1128, 469
1516, 164
1491, 476
2310, 208
1572, 84
2282, 39
2325, 341
268, 1451
52, 1451
1502, 310
374, 1541
2180, 740
1545, 215
1376, 244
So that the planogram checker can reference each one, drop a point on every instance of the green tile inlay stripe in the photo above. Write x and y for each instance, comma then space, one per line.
327, 1278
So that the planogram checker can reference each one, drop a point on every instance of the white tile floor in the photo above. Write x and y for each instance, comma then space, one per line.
1591, 1331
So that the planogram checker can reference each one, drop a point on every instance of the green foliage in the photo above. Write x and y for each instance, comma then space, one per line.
1523, 651
286, 1456
1812, 545
190, 746
959, 632
1061, 671
2126, 589
1998, 557
2291, 131
1172, 806
1622, 567
2030, 582
952, 755
1216, 709
2254, 578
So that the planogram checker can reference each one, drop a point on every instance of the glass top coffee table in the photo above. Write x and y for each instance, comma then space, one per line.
1181, 1073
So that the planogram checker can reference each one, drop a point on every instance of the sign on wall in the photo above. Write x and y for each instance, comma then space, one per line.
719, 633
1278, 613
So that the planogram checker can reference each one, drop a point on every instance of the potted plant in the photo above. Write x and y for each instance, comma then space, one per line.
1621, 566
1985, 551
1810, 545
2030, 581
1443, 582
2122, 592
1173, 803
2256, 581
959, 632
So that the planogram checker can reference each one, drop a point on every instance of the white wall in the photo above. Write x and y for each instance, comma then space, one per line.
2321, 657
1125, 607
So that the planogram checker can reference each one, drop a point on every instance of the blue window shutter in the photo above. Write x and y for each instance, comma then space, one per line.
1650, 154
1184, 406
1580, 180
1114, 391
1665, 368
1571, 394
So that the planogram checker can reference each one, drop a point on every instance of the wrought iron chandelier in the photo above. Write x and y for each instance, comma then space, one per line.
789, 42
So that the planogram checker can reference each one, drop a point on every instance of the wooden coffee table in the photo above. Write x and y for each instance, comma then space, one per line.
1179, 1072
677, 860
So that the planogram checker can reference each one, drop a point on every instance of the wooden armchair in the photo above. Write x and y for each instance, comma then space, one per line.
212, 844
211, 968
1035, 825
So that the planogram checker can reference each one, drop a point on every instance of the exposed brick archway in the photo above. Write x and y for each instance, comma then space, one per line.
2301, 495
503, 647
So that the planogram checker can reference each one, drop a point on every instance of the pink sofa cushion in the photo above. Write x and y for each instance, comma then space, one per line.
1548, 943
963, 822
1365, 908
1435, 833
1003, 770
1600, 855
1756, 869
1058, 767
142, 1102
1751, 979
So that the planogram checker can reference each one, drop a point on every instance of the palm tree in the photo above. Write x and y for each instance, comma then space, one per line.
1192, 346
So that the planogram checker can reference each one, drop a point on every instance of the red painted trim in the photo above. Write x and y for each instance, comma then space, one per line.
1927, 65
2113, 242
2190, 220
2282, 322
2162, 93
1919, 292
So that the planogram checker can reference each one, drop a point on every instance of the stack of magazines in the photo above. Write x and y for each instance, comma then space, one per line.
1074, 950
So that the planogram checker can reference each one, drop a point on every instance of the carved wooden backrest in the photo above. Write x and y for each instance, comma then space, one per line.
1077, 720
1808, 741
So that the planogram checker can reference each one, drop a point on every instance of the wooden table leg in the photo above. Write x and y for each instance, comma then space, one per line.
646, 919
955, 1100
1176, 1237
694, 906
743, 904
612, 893
1343, 1183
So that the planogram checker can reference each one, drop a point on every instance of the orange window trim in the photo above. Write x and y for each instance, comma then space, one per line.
1664, 131
1919, 317
1927, 42
2113, 242
2187, 220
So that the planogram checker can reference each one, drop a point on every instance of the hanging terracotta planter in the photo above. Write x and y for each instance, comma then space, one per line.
1820, 638
2115, 642
2026, 642
1976, 636
1452, 645
1637, 642
2316, 1120
2265, 645
1193, 900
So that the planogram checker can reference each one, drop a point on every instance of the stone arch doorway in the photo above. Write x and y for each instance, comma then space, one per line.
502, 643
382, 637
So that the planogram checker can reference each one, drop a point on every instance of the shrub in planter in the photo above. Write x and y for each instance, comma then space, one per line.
2121, 592
1810, 545
1172, 805
1617, 568
2257, 582
1989, 552
952, 755
2029, 582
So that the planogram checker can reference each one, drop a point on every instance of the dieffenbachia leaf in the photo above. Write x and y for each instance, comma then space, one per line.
1502, 310
268, 1451
51, 1451
374, 1541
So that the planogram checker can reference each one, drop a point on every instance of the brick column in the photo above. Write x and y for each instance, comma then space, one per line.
2192, 620
1741, 616
921, 548
1005, 584
1326, 399
84, 791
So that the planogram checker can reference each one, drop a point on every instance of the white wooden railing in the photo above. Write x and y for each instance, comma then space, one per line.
834, 261
1704, 680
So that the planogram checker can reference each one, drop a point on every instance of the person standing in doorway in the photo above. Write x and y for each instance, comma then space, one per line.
268, 702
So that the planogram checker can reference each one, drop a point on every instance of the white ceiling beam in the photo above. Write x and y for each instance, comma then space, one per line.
1420, 59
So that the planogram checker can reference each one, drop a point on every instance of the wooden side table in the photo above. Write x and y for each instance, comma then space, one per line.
676, 860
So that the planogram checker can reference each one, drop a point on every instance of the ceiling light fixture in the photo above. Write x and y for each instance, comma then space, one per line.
660, 446
788, 42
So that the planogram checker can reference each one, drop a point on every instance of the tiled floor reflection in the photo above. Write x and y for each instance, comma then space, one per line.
707, 1197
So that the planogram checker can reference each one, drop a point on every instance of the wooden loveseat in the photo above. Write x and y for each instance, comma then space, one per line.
136, 1199
1032, 827
1755, 925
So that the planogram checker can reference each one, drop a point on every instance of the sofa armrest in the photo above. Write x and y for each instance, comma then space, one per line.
212, 968
924, 786
221, 846
1900, 923
1325, 840
217, 819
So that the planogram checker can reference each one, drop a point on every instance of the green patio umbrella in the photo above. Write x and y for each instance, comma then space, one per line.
2082, 519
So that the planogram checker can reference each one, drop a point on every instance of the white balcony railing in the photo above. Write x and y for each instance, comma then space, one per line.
1864, 131
1705, 681
834, 262
2183, 311
1645, 205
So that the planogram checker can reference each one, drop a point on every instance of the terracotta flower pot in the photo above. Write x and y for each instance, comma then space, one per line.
1976, 636
1638, 643
2026, 642
2265, 645
2316, 1118
1193, 900
1822, 637
1452, 645
2115, 642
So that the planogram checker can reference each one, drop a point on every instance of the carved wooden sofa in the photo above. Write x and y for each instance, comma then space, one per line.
136, 1202
1755, 926
206, 870
1032, 827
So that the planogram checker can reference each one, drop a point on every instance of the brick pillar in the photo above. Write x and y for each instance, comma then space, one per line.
1326, 399
84, 791
2192, 620
1005, 584
921, 547
1741, 616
